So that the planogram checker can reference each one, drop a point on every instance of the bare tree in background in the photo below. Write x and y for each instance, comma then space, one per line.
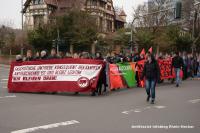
153, 16
10, 39
191, 20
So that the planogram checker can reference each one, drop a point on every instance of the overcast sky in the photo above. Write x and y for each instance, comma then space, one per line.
10, 10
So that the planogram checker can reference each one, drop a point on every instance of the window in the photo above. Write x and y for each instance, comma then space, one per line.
37, 2
38, 20
109, 26
109, 8
94, 3
102, 4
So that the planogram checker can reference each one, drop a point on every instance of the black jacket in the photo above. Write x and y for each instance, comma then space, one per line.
177, 62
53, 57
151, 71
29, 59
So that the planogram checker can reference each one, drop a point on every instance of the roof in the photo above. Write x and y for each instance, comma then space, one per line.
119, 18
60, 3
66, 3
122, 13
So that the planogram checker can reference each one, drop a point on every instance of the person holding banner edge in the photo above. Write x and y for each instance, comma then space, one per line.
151, 73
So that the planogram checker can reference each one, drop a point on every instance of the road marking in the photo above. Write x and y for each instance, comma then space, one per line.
5, 87
12, 96
45, 127
127, 112
139, 110
4, 79
160, 107
194, 101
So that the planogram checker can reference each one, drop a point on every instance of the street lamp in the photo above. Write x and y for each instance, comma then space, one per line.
22, 5
131, 41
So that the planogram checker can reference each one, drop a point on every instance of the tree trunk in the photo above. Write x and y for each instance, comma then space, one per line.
71, 49
93, 48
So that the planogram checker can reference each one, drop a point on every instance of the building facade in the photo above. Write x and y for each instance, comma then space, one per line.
38, 12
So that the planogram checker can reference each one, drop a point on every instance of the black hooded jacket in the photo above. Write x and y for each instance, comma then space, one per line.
151, 71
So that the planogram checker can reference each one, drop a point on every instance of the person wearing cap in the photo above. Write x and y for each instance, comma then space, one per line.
43, 55
19, 58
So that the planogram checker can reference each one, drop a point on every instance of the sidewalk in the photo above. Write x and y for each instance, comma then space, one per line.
4, 66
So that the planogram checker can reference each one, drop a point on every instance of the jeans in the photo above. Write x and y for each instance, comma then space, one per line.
150, 88
177, 72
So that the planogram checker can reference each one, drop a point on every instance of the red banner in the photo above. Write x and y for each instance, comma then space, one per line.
60, 75
166, 71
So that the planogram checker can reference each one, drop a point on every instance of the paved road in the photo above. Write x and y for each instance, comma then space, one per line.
122, 111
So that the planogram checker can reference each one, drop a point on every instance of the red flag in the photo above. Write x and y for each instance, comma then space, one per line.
151, 50
143, 52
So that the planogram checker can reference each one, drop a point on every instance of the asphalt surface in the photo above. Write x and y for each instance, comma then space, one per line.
177, 110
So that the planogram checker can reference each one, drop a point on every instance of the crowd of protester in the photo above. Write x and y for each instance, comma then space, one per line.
189, 63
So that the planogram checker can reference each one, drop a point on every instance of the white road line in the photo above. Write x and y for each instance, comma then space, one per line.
45, 127
194, 101
127, 112
139, 110
5, 87
160, 107
12, 96
4, 79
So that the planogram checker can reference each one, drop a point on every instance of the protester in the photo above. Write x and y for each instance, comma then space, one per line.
85, 55
53, 54
37, 56
98, 56
61, 55
68, 55
110, 58
195, 65
43, 55
161, 56
137, 78
185, 66
19, 58
102, 77
199, 65
75, 56
136, 57
191, 65
177, 64
29, 56
151, 73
